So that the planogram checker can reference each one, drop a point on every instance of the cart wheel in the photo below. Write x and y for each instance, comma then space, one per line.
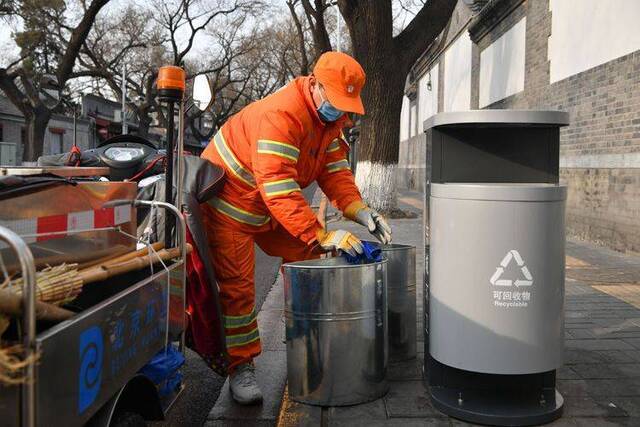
129, 419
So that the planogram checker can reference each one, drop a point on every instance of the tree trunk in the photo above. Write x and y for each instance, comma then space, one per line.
382, 96
36, 127
379, 144
387, 59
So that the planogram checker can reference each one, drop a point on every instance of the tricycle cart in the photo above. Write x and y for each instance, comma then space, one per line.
87, 369
111, 355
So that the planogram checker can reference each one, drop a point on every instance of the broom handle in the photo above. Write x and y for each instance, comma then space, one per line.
96, 274
11, 304
109, 260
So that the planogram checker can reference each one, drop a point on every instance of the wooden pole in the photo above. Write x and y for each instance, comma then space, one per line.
121, 258
103, 272
11, 304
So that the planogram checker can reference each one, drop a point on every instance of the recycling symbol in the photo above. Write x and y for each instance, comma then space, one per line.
512, 254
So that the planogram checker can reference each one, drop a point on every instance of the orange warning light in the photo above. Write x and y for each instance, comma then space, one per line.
171, 77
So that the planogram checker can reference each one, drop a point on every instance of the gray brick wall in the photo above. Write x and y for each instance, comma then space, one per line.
603, 205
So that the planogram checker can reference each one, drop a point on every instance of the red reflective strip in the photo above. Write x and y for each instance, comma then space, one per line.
51, 224
104, 218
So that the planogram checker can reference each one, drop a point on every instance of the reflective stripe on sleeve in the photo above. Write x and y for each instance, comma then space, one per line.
238, 214
277, 148
243, 339
231, 161
239, 321
334, 146
338, 166
284, 186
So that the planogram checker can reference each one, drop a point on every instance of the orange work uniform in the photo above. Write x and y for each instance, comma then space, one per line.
270, 150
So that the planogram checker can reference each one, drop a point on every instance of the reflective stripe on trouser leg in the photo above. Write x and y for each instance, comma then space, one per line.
240, 321
242, 339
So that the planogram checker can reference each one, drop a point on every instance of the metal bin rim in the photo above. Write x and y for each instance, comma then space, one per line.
327, 263
392, 247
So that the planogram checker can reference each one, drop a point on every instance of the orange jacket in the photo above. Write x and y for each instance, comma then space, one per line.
270, 150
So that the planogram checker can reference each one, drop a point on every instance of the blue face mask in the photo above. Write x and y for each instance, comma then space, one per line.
327, 112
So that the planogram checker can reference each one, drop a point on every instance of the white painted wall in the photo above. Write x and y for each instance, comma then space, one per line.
427, 99
457, 76
414, 119
404, 119
502, 65
587, 33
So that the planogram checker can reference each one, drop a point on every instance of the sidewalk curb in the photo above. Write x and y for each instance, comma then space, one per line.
271, 370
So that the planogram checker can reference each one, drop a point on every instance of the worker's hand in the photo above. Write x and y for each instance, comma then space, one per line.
364, 215
340, 240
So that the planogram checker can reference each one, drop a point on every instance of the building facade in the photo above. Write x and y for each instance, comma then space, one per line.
579, 56
58, 137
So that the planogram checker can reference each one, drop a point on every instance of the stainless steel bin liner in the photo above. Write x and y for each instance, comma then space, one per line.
401, 291
336, 317
497, 277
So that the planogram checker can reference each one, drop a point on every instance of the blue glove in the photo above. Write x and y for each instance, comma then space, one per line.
371, 253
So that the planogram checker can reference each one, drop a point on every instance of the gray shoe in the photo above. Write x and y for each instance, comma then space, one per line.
243, 385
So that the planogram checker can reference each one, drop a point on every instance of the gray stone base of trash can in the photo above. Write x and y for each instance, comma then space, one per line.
499, 410
502, 400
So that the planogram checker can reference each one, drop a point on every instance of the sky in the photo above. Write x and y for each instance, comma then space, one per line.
403, 12
7, 44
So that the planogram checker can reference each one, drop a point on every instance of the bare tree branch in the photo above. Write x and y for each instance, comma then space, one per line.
78, 37
304, 66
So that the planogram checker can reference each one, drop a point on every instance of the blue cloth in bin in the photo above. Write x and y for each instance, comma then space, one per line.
372, 253
163, 370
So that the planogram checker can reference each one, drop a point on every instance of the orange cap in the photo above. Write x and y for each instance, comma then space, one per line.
342, 78
171, 77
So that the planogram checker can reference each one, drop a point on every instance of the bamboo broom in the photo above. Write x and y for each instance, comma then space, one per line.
56, 285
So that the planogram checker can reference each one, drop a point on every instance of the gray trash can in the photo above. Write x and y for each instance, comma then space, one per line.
336, 331
494, 292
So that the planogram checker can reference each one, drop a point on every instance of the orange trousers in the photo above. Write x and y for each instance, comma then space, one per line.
231, 246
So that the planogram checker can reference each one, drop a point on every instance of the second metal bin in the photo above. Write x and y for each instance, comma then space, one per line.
401, 291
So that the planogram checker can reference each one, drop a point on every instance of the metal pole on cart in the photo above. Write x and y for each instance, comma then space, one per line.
171, 87
27, 265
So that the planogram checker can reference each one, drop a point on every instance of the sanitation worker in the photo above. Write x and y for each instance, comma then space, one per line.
270, 150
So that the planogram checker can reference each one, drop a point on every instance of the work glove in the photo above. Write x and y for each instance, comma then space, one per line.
339, 240
362, 214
